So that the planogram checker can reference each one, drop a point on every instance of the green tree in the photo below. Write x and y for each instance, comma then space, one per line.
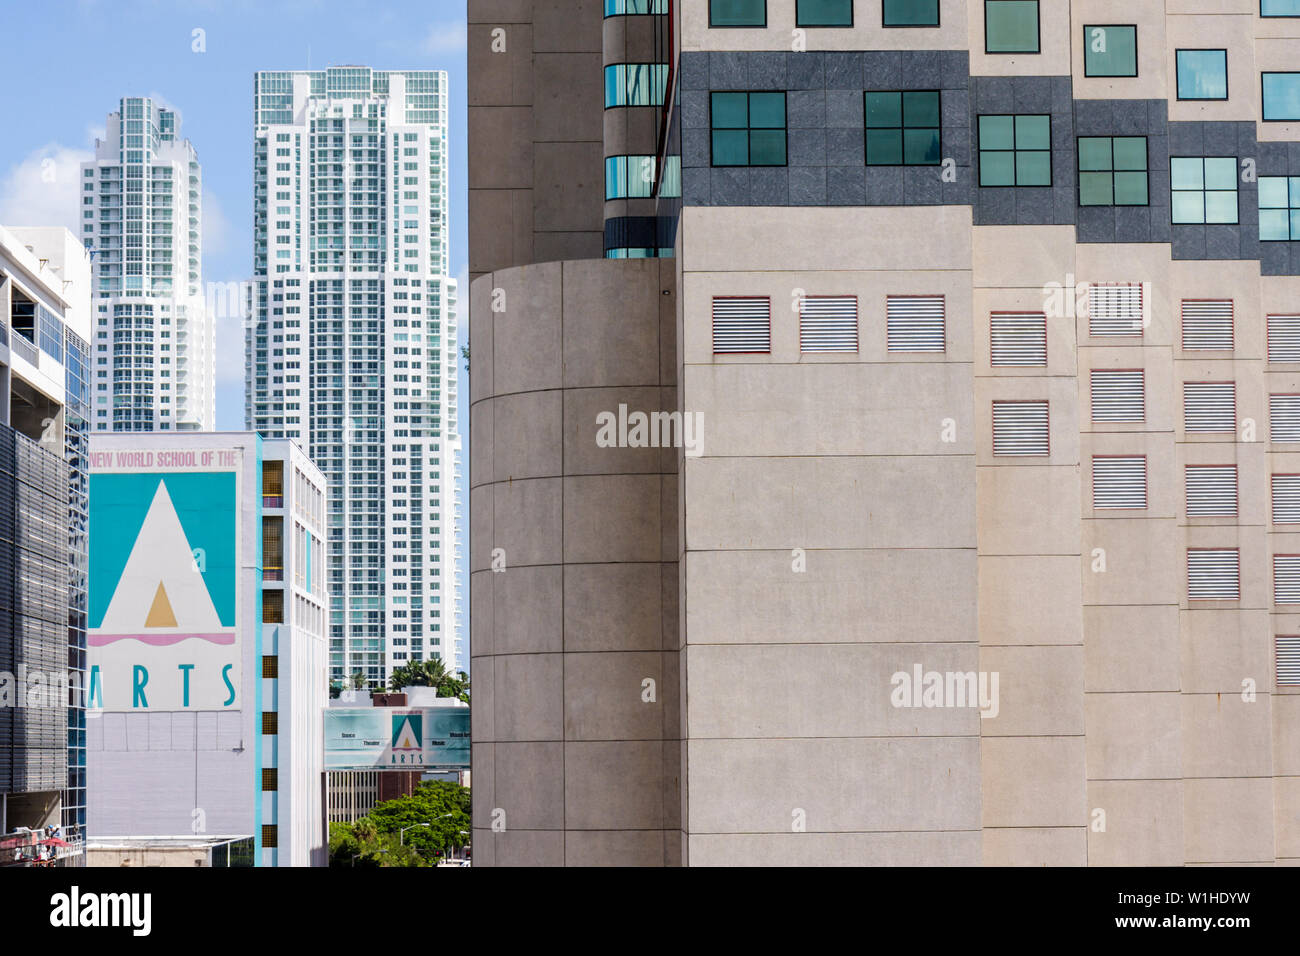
436, 819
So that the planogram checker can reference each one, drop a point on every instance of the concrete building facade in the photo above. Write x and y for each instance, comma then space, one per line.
986, 315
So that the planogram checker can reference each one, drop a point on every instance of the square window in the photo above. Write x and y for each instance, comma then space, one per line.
1202, 74
748, 129
902, 128
1279, 208
1281, 96
824, 13
737, 13
910, 13
1010, 26
1112, 171
1110, 50
1015, 150
1203, 189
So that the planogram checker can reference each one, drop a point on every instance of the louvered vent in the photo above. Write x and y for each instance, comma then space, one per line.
828, 324
742, 325
1284, 417
1020, 428
914, 323
1119, 481
1207, 324
1288, 661
1286, 499
1284, 338
1019, 339
1117, 395
1211, 490
1213, 574
1209, 406
1286, 579
1115, 308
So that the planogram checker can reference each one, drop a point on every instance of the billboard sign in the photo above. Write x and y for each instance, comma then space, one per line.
163, 625
400, 738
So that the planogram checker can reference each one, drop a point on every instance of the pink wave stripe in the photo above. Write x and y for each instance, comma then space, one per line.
158, 640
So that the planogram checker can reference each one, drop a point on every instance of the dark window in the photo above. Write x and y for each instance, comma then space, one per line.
737, 13
270, 779
1010, 26
1110, 50
270, 722
824, 13
270, 836
270, 666
902, 129
1113, 171
1015, 150
910, 13
748, 129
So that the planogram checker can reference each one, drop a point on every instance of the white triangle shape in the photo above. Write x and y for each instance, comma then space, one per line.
161, 554
405, 736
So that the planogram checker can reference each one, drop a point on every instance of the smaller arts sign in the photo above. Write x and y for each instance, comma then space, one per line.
369, 738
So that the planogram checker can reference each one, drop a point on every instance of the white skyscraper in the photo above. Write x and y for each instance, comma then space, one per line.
352, 343
153, 350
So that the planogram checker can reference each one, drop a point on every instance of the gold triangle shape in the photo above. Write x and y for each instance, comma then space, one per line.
160, 613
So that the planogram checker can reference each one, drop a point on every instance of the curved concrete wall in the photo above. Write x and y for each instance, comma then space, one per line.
573, 556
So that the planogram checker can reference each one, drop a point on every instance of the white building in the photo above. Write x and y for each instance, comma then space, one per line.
207, 652
352, 343
154, 348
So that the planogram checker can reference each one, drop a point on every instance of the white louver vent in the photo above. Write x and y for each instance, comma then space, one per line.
1119, 481
1020, 428
1117, 395
1211, 490
1019, 339
1284, 338
1288, 661
1286, 579
742, 325
1209, 406
914, 323
1213, 574
1207, 325
1284, 417
1286, 499
828, 324
1115, 308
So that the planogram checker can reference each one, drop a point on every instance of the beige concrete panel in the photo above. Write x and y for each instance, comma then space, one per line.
1286, 804
481, 601
1220, 649
668, 339
948, 848
631, 130
528, 610
583, 425
611, 322
481, 527
1224, 736
500, 11
1252, 460
1216, 31
1033, 781
526, 435
1131, 648
483, 847
614, 785
1134, 736
568, 102
1238, 281
1140, 558
668, 541
501, 77
1028, 510
569, 183
530, 848
508, 164
781, 503
1157, 387
1164, 478
483, 793
671, 590
1149, 18
530, 785
1054, 44
604, 696
753, 597
813, 239
480, 338
1040, 691
1023, 257
612, 518
526, 333
483, 713
1035, 846
530, 698
1144, 823
1228, 820
482, 448
1029, 600
1063, 413
1061, 352
1279, 294
832, 409
742, 690
1253, 561
555, 246
1252, 400
528, 523
867, 32
1286, 735
614, 607
669, 691
568, 25
841, 784
1273, 56
614, 847
1145, 263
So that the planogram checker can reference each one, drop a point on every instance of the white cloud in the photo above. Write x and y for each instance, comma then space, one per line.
44, 189
444, 38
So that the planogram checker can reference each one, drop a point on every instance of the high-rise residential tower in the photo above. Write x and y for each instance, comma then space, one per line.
154, 346
352, 343
981, 546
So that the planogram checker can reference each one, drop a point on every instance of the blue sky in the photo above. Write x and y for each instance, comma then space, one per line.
78, 58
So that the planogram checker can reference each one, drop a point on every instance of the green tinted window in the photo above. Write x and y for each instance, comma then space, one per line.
912, 13
737, 13
824, 13
1281, 93
1201, 74
1113, 171
1203, 189
748, 129
1110, 51
1279, 208
902, 128
1010, 26
1015, 150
